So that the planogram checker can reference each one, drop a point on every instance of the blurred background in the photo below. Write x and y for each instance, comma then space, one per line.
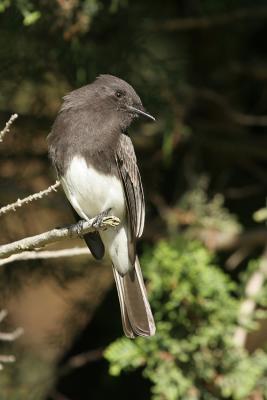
200, 67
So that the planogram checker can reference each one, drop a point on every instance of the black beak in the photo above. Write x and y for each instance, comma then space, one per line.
140, 112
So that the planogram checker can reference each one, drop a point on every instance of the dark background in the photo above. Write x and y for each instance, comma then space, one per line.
200, 67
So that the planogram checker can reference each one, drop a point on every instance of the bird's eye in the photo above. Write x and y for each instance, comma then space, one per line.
119, 94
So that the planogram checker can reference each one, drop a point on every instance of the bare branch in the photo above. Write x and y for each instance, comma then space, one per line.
7, 127
6, 359
193, 23
223, 241
46, 254
11, 336
236, 116
3, 314
241, 243
79, 360
237, 257
58, 396
253, 287
55, 235
28, 199
8, 337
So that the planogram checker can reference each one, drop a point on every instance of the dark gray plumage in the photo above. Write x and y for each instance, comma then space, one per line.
97, 166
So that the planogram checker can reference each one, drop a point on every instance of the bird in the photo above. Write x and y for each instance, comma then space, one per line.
96, 164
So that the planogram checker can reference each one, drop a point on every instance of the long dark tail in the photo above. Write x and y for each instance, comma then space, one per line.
137, 318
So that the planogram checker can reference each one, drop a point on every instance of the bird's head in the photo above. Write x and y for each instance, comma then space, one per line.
121, 96
110, 97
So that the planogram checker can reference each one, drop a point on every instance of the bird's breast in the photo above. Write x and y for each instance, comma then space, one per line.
91, 192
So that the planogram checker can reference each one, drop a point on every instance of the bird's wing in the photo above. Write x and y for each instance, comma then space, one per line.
134, 195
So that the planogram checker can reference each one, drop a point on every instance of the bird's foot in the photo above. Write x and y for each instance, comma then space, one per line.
99, 219
110, 222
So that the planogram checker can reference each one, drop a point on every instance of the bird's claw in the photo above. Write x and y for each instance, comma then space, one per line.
98, 220
103, 220
111, 221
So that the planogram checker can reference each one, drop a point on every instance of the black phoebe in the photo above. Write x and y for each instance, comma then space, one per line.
96, 164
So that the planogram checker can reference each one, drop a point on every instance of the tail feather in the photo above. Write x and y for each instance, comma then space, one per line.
124, 314
137, 318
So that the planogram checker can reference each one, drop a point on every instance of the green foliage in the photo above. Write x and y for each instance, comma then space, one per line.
196, 308
260, 215
86, 8
4, 4
26, 8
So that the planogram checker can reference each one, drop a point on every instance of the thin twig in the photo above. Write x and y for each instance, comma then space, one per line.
79, 360
222, 241
235, 258
58, 396
30, 198
241, 243
194, 23
7, 127
11, 336
72, 231
46, 254
253, 287
7, 358
8, 337
3, 314
236, 116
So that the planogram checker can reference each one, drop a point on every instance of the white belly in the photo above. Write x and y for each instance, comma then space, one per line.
91, 192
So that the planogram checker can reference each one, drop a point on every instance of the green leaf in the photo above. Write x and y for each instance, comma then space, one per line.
31, 17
